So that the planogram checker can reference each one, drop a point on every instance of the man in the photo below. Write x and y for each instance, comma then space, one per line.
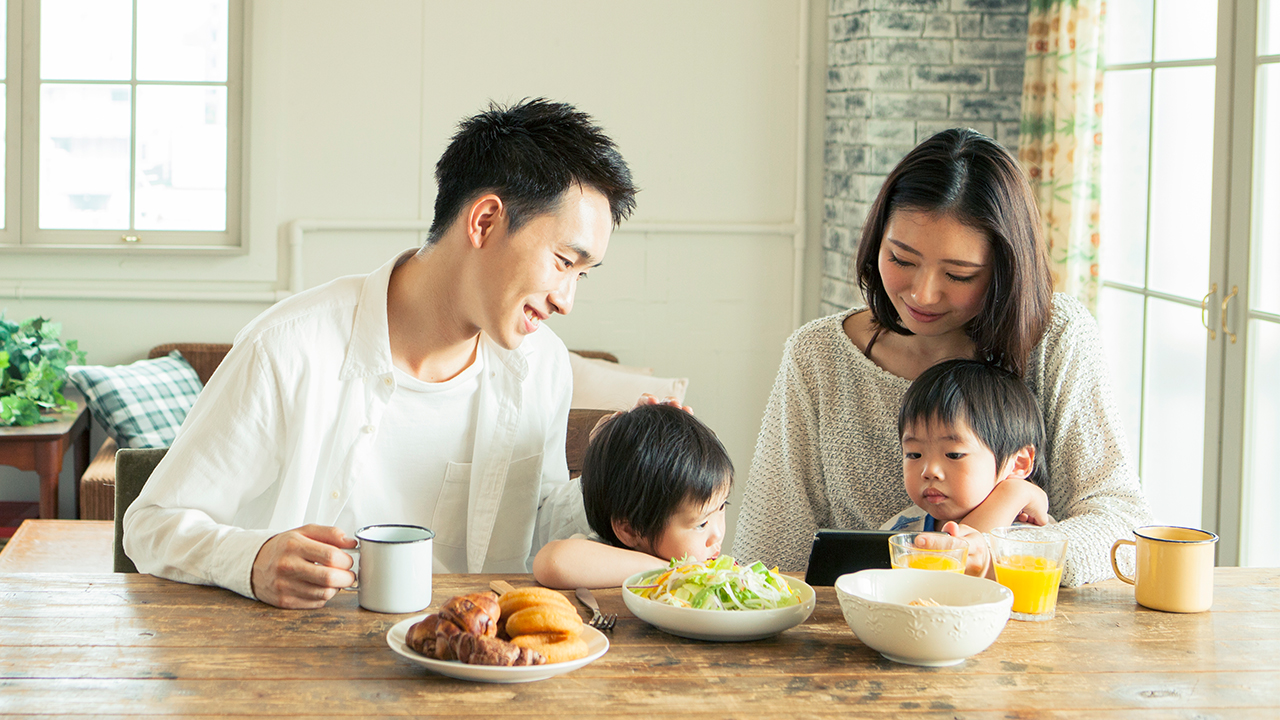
426, 392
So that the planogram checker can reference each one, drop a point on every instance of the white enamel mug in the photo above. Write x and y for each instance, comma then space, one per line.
395, 568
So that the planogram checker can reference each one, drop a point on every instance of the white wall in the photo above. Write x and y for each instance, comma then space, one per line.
350, 104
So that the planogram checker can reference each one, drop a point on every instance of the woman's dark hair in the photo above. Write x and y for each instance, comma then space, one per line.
528, 154
995, 404
643, 464
966, 175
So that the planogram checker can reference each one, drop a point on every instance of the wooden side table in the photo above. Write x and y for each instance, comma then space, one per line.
41, 447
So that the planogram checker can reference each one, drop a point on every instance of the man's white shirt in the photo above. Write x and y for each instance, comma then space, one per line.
286, 434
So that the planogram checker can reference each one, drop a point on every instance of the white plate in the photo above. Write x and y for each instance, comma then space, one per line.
720, 625
597, 645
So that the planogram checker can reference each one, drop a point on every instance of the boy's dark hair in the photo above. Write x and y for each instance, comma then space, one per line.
643, 464
528, 154
966, 175
996, 405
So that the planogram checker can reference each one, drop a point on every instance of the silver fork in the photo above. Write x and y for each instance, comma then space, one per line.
598, 620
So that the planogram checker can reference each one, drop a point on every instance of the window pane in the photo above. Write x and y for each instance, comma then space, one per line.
1181, 180
84, 156
1265, 286
1128, 32
1120, 318
182, 40
1262, 447
1126, 122
1173, 419
182, 158
4, 132
86, 39
1269, 27
1186, 29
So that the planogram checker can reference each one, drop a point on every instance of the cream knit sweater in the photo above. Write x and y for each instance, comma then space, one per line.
828, 454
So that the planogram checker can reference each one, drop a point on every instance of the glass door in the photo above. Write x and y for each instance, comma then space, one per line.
1190, 306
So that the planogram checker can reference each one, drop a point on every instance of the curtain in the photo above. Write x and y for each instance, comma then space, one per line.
1060, 138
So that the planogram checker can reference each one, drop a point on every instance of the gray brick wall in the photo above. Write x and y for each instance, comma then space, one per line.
897, 72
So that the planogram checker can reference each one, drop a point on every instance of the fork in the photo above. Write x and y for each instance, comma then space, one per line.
598, 620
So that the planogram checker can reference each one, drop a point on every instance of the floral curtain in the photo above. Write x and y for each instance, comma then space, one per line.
1060, 140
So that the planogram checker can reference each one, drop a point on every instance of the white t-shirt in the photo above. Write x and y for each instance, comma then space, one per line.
422, 455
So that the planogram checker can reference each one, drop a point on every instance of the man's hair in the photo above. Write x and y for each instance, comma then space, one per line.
643, 464
528, 154
968, 176
995, 404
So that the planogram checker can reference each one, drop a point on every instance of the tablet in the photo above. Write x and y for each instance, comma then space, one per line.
836, 552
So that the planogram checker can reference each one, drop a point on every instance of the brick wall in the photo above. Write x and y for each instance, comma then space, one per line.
897, 72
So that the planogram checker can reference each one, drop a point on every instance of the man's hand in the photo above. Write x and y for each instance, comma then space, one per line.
979, 563
303, 568
645, 399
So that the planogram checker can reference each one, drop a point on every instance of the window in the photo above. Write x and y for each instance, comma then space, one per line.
1190, 243
122, 124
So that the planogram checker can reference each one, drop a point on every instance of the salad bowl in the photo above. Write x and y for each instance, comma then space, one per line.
719, 625
968, 613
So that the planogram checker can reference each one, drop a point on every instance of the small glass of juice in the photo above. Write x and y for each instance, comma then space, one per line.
1028, 561
928, 551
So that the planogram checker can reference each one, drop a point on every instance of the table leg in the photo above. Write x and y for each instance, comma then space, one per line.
82, 464
49, 467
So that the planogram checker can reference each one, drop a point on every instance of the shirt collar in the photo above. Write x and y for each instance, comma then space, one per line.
369, 353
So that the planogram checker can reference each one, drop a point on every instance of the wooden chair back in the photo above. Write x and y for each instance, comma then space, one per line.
133, 467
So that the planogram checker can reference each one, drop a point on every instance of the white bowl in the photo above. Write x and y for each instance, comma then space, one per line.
876, 605
719, 625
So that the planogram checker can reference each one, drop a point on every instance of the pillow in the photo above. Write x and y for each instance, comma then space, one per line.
140, 405
600, 384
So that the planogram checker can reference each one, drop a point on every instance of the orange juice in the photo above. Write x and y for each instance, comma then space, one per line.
929, 561
1033, 580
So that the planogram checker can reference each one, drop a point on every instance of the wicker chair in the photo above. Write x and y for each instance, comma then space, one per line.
98, 484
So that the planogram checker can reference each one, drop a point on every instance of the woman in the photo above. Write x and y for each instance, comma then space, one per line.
953, 264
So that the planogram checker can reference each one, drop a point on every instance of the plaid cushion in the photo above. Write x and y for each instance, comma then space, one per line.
141, 405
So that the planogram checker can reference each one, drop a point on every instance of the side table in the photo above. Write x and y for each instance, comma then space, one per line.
41, 447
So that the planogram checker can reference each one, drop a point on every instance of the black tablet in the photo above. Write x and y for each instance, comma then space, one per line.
836, 552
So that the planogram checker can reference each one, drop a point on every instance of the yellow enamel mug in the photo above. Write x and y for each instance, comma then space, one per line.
1175, 568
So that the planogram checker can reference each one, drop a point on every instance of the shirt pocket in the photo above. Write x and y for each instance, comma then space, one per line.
517, 513
450, 519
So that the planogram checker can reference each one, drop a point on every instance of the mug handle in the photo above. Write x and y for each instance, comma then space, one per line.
1115, 566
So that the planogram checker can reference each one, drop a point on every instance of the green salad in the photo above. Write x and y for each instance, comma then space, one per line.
718, 584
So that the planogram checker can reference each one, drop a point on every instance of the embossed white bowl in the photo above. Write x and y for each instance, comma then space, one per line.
876, 604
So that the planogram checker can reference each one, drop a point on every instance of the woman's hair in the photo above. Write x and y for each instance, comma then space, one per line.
966, 175
644, 463
995, 404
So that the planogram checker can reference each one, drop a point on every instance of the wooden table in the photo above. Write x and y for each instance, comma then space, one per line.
60, 546
138, 645
41, 447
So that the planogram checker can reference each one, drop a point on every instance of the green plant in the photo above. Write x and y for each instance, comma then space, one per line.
33, 366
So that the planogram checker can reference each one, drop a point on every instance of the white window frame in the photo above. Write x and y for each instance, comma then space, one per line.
21, 231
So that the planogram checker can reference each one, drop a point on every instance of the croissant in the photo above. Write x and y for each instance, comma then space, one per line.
484, 650
445, 632
476, 613
421, 637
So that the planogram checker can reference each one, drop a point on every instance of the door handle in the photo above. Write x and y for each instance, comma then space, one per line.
1204, 312
1225, 302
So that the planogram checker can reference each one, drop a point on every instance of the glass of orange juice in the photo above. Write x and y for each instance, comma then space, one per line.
928, 551
1028, 560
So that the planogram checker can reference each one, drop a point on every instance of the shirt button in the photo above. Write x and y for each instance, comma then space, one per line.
387, 381
335, 494
367, 429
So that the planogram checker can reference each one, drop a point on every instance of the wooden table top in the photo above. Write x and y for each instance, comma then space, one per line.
61, 546
133, 644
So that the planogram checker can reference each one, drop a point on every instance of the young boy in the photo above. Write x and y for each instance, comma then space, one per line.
655, 484
970, 439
